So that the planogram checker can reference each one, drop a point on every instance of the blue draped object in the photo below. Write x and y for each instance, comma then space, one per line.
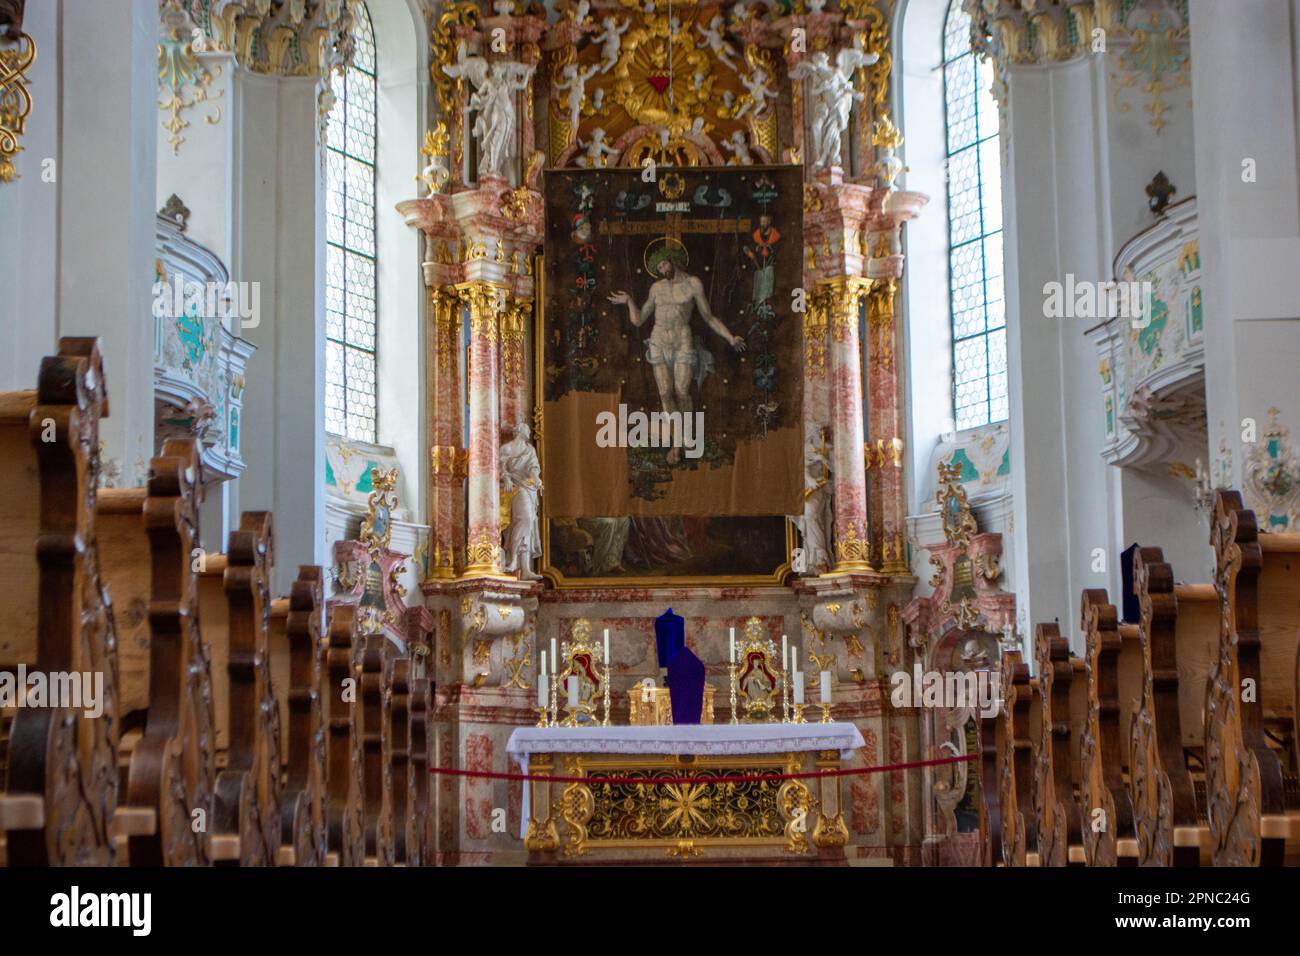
670, 636
686, 686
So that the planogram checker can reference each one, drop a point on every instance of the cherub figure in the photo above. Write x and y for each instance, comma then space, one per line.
738, 148
575, 84
759, 92
595, 150
611, 39
712, 34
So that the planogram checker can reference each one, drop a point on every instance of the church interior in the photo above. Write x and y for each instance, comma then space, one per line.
501, 433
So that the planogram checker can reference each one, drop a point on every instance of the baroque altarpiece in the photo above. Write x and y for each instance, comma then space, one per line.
577, 158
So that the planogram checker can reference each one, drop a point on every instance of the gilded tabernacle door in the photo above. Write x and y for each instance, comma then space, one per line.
670, 374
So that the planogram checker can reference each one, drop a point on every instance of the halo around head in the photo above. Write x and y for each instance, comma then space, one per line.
663, 248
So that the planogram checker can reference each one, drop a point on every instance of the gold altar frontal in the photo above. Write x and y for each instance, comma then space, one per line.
627, 822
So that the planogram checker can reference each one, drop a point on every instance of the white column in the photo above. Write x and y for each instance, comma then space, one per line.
278, 241
107, 102
29, 209
1245, 86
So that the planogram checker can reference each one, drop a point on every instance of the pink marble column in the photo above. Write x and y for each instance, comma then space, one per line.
484, 522
446, 455
842, 297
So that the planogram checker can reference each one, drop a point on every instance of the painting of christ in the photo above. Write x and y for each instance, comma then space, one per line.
671, 367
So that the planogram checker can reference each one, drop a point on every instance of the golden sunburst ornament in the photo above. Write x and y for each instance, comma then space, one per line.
661, 75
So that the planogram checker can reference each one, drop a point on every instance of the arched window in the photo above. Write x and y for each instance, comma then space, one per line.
350, 266
979, 337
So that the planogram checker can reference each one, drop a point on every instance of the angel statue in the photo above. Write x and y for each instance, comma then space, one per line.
522, 474
815, 524
832, 93
495, 86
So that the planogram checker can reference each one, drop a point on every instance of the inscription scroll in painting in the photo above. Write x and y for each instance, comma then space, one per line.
672, 356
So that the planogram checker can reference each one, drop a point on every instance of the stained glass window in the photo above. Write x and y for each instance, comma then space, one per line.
979, 335
350, 300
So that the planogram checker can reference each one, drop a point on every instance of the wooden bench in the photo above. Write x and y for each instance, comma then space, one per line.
61, 781
1170, 821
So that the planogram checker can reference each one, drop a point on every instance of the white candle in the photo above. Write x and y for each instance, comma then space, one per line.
607, 647
731, 657
794, 660
785, 655
573, 692
798, 687
555, 658
826, 687
542, 695
543, 662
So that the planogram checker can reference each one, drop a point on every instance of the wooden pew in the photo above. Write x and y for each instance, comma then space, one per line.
991, 731
146, 537
376, 747
298, 668
344, 785
1170, 825
400, 761
1060, 838
60, 788
1109, 838
1250, 800
419, 832
1014, 766
234, 611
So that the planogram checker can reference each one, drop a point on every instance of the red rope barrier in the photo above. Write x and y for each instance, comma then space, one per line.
734, 778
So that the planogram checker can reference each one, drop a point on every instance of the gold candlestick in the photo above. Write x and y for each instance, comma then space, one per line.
785, 697
735, 718
826, 713
555, 699
605, 722
542, 714
798, 714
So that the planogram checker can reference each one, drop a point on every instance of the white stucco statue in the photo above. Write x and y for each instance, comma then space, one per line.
713, 36
815, 524
595, 150
495, 86
522, 474
738, 148
575, 84
831, 96
611, 40
760, 91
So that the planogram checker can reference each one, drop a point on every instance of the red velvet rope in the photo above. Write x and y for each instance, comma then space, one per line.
734, 778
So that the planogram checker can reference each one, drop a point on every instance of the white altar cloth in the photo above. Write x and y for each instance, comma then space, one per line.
696, 739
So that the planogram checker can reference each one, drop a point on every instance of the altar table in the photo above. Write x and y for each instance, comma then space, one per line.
631, 822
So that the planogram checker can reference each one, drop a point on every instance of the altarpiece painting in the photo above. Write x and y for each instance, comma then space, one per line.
670, 372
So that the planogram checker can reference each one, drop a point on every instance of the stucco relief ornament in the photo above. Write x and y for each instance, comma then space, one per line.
832, 94
495, 86
521, 474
